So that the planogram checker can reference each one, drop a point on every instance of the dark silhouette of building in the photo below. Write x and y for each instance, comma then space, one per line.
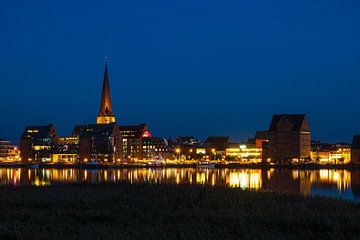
355, 183
99, 143
288, 139
355, 149
217, 146
36, 143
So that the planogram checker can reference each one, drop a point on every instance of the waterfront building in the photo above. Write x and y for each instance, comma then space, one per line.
154, 148
287, 139
339, 153
8, 151
133, 136
216, 146
99, 142
200, 150
245, 152
188, 141
187, 147
355, 149
36, 143
66, 150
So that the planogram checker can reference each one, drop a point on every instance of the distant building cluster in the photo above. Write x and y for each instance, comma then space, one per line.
8, 151
287, 140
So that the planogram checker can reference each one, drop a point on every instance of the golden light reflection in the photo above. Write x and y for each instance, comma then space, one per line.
245, 179
300, 181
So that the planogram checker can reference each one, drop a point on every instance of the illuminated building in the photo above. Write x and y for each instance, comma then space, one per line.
287, 140
133, 139
106, 115
187, 146
188, 141
330, 153
355, 149
99, 142
66, 150
154, 147
8, 152
247, 152
36, 143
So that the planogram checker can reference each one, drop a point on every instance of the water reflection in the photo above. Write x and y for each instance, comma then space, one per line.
339, 183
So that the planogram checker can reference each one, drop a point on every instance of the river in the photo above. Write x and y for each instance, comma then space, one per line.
343, 184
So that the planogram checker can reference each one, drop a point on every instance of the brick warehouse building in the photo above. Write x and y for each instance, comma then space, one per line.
288, 139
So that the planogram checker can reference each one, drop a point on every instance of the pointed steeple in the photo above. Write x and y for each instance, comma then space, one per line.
105, 115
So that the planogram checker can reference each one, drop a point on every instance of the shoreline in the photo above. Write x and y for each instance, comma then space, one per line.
310, 166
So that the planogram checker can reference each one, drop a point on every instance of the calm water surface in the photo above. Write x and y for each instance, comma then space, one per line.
335, 183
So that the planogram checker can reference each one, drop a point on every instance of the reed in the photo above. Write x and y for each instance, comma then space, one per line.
145, 211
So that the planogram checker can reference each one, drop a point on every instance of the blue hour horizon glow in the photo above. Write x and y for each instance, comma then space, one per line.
196, 68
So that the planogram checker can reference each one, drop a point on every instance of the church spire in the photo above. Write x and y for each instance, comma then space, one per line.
105, 115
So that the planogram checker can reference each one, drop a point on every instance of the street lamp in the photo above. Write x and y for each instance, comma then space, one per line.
214, 152
178, 152
190, 153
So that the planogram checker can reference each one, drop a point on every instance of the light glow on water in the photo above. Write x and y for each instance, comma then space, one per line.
307, 182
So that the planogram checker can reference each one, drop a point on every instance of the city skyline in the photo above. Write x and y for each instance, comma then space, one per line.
169, 69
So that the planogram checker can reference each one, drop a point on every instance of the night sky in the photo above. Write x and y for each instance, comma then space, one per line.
184, 67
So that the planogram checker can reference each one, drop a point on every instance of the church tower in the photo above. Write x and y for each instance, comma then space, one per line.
106, 115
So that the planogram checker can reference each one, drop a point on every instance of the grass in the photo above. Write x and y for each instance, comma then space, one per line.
146, 211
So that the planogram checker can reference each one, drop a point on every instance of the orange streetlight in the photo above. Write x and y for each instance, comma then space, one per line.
214, 152
178, 152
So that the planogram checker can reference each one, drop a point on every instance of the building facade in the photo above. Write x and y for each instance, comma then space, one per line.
287, 140
133, 140
66, 150
328, 153
99, 143
154, 148
216, 147
355, 150
37, 142
246, 152
8, 151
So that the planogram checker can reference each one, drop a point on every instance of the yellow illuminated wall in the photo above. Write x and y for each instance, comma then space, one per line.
105, 120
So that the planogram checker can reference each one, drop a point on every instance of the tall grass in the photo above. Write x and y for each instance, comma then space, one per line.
146, 211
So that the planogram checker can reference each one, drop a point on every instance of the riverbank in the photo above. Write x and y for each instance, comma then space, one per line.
171, 212
308, 166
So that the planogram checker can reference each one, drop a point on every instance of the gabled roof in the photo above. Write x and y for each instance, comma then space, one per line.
42, 131
135, 131
296, 119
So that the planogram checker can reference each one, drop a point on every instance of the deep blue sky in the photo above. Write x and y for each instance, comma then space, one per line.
184, 67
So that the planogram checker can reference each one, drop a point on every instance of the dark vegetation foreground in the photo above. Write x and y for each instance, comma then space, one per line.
170, 212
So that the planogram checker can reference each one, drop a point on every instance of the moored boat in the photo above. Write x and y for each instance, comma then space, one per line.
155, 163
205, 164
